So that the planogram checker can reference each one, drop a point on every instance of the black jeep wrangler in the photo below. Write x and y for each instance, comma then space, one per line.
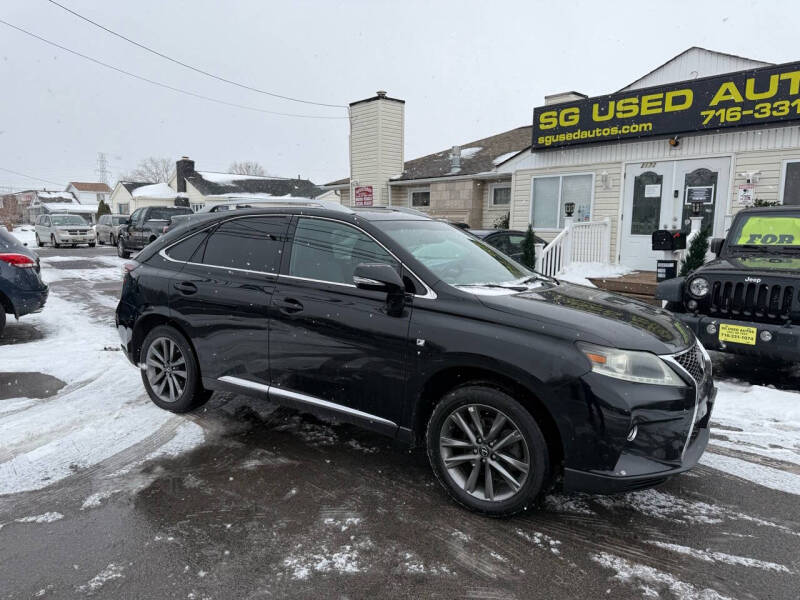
747, 300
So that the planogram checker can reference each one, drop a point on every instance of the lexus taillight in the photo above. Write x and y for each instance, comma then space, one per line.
129, 266
18, 260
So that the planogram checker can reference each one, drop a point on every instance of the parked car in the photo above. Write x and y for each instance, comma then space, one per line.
746, 300
22, 290
63, 229
508, 241
107, 228
144, 226
413, 328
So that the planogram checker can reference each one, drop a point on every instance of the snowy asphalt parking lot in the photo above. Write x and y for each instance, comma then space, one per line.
102, 494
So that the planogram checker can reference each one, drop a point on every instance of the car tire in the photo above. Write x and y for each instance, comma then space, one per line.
460, 459
100, 241
38, 241
111, 240
121, 251
170, 372
54, 242
2, 320
92, 244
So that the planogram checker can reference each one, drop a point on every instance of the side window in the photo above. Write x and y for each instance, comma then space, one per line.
330, 251
252, 244
135, 216
185, 250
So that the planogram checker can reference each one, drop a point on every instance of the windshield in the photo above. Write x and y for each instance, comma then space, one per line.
67, 220
780, 230
452, 255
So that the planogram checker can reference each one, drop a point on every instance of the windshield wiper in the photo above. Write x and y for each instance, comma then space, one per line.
516, 288
762, 248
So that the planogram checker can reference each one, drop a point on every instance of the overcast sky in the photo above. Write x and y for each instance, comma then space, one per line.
466, 70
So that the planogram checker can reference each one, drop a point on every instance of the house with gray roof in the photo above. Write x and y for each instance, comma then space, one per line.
200, 188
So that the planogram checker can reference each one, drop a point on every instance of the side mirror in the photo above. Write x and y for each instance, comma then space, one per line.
378, 277
716, 245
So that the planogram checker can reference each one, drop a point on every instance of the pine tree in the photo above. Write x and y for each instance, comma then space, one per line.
696, 256
529, 249
103, 209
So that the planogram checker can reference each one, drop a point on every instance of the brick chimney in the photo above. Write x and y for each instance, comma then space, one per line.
183, 168
376, 144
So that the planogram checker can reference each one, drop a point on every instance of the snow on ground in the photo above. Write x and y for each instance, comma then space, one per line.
761, 425
653, 582
579, 272
102, 412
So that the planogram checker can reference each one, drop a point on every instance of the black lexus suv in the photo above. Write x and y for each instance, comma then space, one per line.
747, 300
415, 329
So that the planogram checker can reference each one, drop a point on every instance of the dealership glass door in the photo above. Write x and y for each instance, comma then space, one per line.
659, 195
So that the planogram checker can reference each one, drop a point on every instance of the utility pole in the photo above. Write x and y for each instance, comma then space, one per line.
102, 168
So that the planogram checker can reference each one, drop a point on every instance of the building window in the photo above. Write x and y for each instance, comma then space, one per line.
420, 197
550, 195
101, 197
123, 208
196, 207
501, 194
791, 182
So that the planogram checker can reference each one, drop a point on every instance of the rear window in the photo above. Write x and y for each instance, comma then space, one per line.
251, 244
166, 212
185, 250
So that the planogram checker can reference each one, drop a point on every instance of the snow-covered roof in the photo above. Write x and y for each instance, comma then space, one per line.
56, 195
154, 190
223, 178
70, 207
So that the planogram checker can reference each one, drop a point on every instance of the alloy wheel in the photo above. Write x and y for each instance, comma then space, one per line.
166, 369
484, 452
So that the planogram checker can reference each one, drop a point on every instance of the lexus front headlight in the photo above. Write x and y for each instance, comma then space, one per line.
630, 365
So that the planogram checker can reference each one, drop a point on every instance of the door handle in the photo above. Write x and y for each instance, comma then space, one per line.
290, 306
186, 287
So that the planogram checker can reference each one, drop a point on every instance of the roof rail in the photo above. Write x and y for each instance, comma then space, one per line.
281, 201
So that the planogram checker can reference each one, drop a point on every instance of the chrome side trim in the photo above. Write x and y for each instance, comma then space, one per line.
428, 295
365, 281
271, 390
282, 276
670, 358
259, 387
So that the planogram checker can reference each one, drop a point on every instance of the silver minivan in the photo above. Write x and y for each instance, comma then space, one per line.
59, 230
108, 228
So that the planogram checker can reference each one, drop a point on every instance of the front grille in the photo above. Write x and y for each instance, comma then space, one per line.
692, 360
752, 301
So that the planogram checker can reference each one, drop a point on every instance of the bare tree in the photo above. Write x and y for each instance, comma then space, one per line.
247, 167
157, 170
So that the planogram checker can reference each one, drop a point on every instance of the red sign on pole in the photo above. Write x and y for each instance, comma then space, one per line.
363, 195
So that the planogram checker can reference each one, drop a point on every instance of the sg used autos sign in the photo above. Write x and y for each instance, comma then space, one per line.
744, 98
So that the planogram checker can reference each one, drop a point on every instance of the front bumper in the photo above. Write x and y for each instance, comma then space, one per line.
75, 239
672, 433
784, 343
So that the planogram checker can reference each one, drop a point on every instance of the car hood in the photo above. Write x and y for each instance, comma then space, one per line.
595, 316
747, 264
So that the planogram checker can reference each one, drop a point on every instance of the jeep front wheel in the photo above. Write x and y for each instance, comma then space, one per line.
487, 450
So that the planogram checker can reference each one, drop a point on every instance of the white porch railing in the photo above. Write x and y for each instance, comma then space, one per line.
577, 242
